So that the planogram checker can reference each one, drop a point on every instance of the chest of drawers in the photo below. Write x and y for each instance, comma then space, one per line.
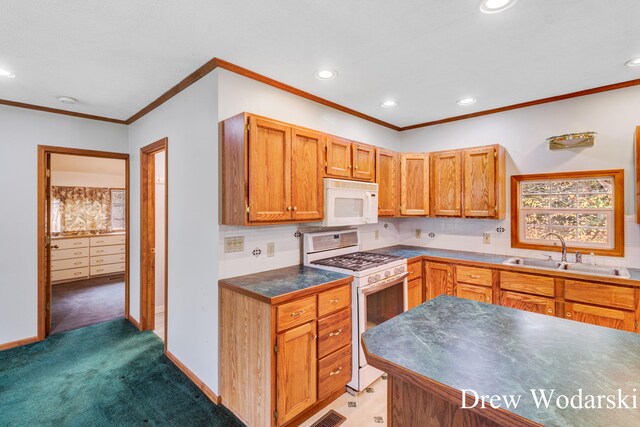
74, 258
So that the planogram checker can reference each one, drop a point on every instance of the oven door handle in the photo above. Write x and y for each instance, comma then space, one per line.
379, 286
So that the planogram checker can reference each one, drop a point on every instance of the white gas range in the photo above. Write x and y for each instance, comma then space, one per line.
379, 289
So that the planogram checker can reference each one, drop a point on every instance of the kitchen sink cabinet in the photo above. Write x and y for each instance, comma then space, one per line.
414, 184
349, 160
282, 361
271, 172
601, 316
446, 183
439, 279
387, 178
526, 302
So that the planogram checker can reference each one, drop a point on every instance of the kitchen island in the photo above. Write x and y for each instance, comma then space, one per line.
449, 349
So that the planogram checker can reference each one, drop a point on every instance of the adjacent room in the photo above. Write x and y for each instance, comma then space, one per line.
340, 213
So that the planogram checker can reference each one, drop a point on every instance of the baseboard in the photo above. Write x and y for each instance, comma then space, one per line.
134, 322
194, 379
18, 343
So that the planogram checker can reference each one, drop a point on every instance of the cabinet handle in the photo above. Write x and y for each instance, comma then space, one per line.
349, 166
289, 208
77, 273
473, 276
295, 208
99, 241
55, 247
77, 263
99, 260
100, 251
568, 314
77, 243
488, 298
336, 372
298, 313
335, 333
100, 269
334, 301
76, 253
314, 336
355, 167
551, 311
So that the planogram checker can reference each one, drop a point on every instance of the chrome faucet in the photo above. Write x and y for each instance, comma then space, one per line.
564, 244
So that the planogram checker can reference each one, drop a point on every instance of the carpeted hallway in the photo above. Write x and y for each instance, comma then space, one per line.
108, 374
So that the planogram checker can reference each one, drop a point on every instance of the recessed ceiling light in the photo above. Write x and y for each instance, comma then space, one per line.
390, 103
466, 101
633, 63
6, 73
495, 6
67, 100
326, 74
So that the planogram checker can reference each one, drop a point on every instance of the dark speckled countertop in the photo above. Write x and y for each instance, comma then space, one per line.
275, 285
417, 251
496, 351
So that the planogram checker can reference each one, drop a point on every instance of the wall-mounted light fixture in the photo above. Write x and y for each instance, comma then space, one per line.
572, 140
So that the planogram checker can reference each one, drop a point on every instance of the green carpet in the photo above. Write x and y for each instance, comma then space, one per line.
108, 374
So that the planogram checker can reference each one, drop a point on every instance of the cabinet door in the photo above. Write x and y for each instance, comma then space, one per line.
446, 183
297, 371
269, 171
387, 173
474, 292
363, 161
439, 279
414, 184
414, 296
608, 317
480, 182
532, 303
338, 159
307, 200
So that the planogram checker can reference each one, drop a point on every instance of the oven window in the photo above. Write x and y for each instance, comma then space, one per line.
384, 304
348, 207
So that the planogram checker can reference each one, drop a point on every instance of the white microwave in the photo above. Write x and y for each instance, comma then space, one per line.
349, 202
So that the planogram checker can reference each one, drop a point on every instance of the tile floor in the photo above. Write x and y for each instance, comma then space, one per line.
369, 408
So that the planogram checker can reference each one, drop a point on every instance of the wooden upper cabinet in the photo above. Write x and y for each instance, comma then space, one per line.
363, 157
297, 370
439, 279
481, 182
269, 170
387, 174
446, 183
414, 184
338, 157
307, 200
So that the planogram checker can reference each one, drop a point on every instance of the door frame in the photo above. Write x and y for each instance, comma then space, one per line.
43, 212
147, 234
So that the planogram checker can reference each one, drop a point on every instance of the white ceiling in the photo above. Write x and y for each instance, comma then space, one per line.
117, 56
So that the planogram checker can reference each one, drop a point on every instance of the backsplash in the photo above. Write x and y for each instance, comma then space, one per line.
444, 233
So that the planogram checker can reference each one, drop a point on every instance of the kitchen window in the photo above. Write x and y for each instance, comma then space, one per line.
585, 208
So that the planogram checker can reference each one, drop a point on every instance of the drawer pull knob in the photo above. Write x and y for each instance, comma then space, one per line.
335, 333
473, 276
77, 263
77, 273
334, 301
99, 260
314, 336
488, 298
100, 269
336, 372
77, 243
100, 251
99, 241
568, 314
77, 253
550, 310
298, 313
55, 247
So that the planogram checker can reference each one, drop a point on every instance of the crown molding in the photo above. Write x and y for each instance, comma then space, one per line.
59, 111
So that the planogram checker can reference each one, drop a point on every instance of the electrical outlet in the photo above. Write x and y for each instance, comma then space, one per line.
233, 244
486, 238
418, 233
376, 234
271, 249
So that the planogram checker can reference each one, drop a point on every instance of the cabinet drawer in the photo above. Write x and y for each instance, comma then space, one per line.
80, 242
108, 259
107, 269
73, 273
334, 372
474, 292
474, 275
596, 293
107, 250
528, 283
69, 253
296, 312
532, 303
334, 300
108, 240
607, 317
64, 264
415, 270
334, 332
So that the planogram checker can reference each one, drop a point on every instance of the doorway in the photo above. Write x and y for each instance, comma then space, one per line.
153, 238
83, 238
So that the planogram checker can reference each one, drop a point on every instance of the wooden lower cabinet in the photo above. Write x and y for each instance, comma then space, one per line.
281, 362
474, 292
601, 316
414, 296
526, 302
439, 279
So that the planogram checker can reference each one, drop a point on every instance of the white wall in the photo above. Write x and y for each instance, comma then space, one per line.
159, 232
237, 94
21, 131
189, 121
614, 115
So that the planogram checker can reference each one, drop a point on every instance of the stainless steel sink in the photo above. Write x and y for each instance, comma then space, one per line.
598, 270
